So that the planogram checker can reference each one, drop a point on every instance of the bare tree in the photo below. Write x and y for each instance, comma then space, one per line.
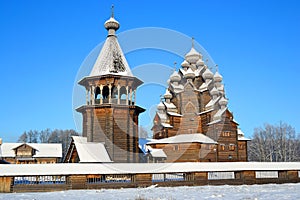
23, 138
274, 143
44, 135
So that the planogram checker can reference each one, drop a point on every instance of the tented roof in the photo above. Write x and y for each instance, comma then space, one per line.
111, 60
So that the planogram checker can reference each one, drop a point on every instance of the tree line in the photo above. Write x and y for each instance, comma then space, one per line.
274, 143
269, 143
49, 136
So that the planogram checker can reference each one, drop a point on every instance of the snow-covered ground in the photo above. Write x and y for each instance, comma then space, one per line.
249, 192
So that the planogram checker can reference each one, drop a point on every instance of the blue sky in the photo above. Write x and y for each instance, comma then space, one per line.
43, 43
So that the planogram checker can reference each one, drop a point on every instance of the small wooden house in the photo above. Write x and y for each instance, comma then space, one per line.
31, 153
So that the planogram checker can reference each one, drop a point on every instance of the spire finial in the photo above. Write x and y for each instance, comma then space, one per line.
217, 67
193, 40
112, 10
175, 66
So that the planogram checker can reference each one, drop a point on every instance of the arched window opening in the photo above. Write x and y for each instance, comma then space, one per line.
105, 94
97, 95
114, 94
123, 94
133, 97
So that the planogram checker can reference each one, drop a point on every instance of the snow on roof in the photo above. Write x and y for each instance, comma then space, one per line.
7, 149
79, 139
140, 168
219, 114
170, 105
166, 125
241, 136
158, 153
162, 116
110, 52
185, 138
206, 111
214, 122
204, 86
42, 149
47, 150
177, 88
174, 114
90, 152
212, 102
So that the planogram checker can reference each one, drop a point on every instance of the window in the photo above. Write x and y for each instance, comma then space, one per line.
226, 133
231, 147
176, 148
168, 177
220, 175
241, 147
222, 147
32, 180
191, 131
115, 178
266, 174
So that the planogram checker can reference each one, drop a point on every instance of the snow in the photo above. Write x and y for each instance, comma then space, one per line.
185, 138
158, 153
90, 152
43, 149
139, 168
251, 192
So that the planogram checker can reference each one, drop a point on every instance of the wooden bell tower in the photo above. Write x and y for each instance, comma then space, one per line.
111, 115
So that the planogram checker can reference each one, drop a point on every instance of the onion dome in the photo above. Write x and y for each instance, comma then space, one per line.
167, 95
185, 64
214, 91
175, 77
168, 81
160, 106
207, 74
193, 56
218, 77
189, 74
200, 62
111, 23
223, 102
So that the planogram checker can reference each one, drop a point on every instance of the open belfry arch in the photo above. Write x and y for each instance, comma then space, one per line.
110, 115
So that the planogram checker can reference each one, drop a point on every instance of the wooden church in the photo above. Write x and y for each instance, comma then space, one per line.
193, 122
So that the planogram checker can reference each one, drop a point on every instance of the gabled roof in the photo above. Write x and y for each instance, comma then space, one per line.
42, 149
185, 138
90, 152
